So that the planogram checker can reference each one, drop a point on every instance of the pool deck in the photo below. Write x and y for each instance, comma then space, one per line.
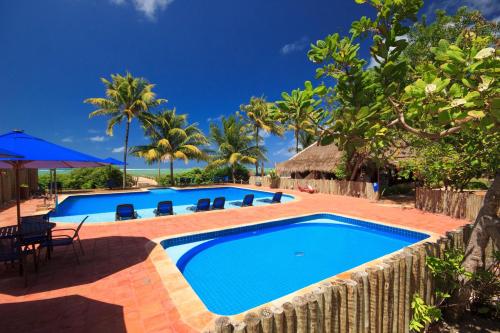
117, 287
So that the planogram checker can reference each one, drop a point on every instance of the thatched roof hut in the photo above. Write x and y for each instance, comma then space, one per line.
313, 158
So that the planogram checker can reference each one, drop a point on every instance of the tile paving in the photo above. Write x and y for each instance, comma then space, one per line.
117, 287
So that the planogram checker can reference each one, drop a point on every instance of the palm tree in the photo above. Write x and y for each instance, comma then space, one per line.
127, 97
260, 115
295, 109
171, 138
234, 144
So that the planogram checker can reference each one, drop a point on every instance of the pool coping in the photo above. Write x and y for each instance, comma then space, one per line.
191, 308
296, 198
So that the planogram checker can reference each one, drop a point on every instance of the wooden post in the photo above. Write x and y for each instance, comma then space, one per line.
266, 318
223, 325
352, 306
342, 304
300, 305
319, 294
335, 308
328, 307
373, 299
313, 314
290, 317
388, 273
402, 293
408, 263
240, 328
361, 278
279, 319
252, 321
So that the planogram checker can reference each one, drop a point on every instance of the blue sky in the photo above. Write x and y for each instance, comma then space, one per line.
206, 58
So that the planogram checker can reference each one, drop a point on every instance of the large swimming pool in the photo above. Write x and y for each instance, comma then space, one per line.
237, 269
102, 207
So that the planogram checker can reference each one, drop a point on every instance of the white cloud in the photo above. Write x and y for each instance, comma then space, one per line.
284, 152
149, 8
97, 138
486, 7
218, 118
92, 131
118, 149
295, 46
67, 139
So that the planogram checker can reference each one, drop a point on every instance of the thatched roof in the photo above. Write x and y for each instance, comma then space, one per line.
327, 158
313, 158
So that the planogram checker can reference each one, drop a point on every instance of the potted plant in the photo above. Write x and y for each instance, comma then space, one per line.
275, 179
24, 191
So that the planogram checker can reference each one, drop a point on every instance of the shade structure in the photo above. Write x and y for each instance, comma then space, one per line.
113, 161
7, 153
33, 152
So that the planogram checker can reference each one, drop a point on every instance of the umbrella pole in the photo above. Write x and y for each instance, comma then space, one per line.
55, 188
18, 194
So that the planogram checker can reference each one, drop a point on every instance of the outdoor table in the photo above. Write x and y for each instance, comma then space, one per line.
28, 232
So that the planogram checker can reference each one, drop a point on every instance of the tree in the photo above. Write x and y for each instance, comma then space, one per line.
127, 97
234, 144
171, 138
260, 115
456, 89
294, 109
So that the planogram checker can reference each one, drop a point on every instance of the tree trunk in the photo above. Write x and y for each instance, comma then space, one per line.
159, 172
125, 155
378, 194
172, 172
257, 146
296, 141
233, 173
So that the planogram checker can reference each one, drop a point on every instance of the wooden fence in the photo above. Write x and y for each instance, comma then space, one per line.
460, 205
338, 187
375, 299
27, 177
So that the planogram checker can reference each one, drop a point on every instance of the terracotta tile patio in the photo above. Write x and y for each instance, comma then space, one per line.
117, 288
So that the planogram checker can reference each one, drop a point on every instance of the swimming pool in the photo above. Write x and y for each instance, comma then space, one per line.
237, 269
101, 207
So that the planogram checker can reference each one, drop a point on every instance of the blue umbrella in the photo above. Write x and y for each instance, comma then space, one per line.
7, 153
112, 161
37, 153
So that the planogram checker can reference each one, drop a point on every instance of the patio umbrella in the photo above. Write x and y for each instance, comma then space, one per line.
112, 161
7, 153
38, 153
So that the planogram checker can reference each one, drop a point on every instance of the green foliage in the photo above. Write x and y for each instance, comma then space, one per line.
171, 138
88, 178
485, 284
201, 176
423, 314
273, 174
233, 141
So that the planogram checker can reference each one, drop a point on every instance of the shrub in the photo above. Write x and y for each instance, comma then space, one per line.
89, 178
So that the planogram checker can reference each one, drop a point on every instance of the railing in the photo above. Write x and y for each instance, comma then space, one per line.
460, 205
338, 187
374, 299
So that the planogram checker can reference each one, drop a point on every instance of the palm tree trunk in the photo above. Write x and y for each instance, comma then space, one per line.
296, 141
257, 146
125, 155
172, 172
159, 172
233, 173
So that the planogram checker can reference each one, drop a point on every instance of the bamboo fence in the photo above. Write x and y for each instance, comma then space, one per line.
373, 300
460, 205
337, 187
27, 177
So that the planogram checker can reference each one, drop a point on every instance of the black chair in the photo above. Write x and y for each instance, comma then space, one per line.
125, 212
219, 203
65, 240
164, 208
11, 251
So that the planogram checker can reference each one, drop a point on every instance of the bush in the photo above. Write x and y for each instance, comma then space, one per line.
205, 176
88, 178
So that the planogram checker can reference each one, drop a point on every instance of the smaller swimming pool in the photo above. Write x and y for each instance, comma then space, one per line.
235, 270
102, 207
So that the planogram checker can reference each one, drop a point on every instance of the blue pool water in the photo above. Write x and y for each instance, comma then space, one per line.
101, 207
238, 269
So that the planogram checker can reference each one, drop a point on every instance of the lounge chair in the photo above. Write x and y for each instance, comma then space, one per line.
203, 205
164, 208
65, 240
247, 201
219, 203
276, 198
307, 189
125, 212
225, 179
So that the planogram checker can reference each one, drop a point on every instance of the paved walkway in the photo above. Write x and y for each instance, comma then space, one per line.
116, 288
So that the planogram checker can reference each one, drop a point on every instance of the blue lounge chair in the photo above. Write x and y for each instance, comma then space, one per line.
276, 198
164, 208
219, 203
247, 201
226, 179
125, 212
203, 205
